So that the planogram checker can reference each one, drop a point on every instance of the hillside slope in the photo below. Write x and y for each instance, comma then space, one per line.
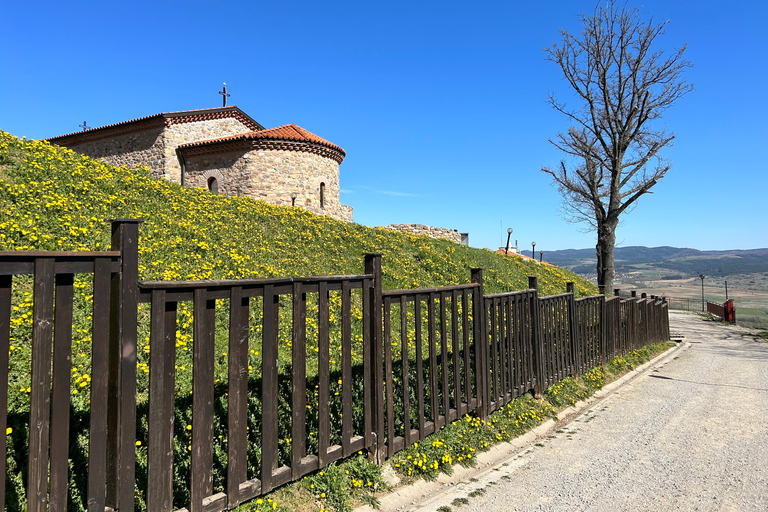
55, 199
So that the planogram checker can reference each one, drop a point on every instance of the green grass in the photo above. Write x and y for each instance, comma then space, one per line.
754, 318
55, 199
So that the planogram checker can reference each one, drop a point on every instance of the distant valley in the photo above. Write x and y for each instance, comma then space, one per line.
666, 262
675, 271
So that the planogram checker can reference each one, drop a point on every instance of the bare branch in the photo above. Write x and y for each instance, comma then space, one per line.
623, 84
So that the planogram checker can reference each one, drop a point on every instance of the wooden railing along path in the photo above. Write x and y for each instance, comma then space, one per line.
411, 362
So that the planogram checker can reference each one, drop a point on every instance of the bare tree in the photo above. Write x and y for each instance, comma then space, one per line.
622, 84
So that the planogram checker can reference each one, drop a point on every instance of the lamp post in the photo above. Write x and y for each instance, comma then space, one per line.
294, 195
509, 234
702, 276
541, 256
533, 251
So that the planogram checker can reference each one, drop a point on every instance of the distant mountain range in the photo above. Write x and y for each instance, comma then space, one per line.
670, 262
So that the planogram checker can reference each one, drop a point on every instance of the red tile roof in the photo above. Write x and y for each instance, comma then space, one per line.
285, 132
176, 117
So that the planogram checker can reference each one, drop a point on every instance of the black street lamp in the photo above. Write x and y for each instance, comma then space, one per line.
533, 251
541, 256
509, 234
294, 195
702, 276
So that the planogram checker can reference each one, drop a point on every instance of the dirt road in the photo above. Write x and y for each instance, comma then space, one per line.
690, 433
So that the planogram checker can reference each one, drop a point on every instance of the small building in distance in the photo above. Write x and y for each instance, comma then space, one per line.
227, 152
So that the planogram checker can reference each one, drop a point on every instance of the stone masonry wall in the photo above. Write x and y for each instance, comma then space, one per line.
421, 229
272, 175
141, 148
182, 133
156, 147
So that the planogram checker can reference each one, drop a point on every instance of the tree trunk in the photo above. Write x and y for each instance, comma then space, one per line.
606, 240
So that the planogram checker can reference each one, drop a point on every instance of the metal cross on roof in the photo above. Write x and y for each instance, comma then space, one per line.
84, 126
224, 95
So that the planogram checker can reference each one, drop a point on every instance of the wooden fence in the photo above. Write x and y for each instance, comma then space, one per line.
411, 362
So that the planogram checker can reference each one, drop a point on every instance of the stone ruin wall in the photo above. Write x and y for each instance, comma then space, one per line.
272, 176
421, 229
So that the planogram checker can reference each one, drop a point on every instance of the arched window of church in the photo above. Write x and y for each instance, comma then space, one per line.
322, 195
213, 185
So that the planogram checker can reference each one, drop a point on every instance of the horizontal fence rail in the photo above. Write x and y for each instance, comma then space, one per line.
287, 374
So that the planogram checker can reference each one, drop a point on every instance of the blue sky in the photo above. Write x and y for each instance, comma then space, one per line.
439, 105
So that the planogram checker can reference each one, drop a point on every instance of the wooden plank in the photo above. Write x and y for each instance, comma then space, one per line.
237, 398
202, 400
61, 255
456, 350
520, 374
562, 324
395, 294
298, 380
480, 338
566, 344
249, 489
281, 476
367, 398
335, 452
419, 365
160, 463
323, 358
40, 399
511, 352
404, 358
346, 368
432, 339
6, 283
215, 503
444, 357
15, 266
62, 375
388, 375
465, 336
97, 445
309, 464
502, 351
494, 366
269, 389
373, 266
121, 476
549, 345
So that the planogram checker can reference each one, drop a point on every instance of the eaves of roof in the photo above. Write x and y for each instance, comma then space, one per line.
288, 132
171, 118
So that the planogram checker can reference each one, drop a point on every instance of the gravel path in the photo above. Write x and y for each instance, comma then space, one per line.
689, 435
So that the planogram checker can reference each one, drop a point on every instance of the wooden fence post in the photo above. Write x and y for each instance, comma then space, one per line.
481, 344
121, 408
373, 266
603, 331
573, 330
538, 346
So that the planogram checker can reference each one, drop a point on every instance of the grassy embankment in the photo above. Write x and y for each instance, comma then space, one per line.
54, 199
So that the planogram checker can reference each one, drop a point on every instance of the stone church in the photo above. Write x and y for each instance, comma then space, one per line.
225, 151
